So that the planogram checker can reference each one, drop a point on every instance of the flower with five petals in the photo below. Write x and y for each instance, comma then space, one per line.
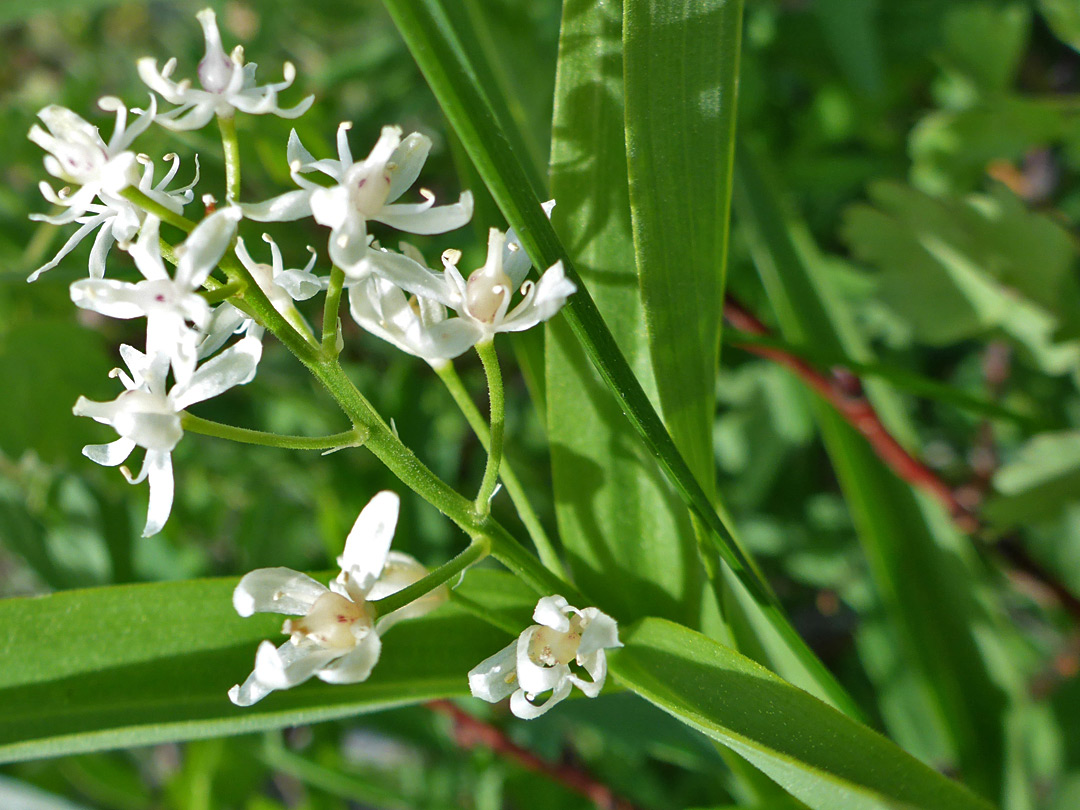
539, 660
146, 415
227, 83
338, 637
364, 190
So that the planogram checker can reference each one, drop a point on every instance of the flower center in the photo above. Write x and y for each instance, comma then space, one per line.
333, 621
551, 648
370, 188
485, 292
149, 420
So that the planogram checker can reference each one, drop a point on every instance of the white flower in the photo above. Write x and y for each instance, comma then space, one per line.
146, 415
227, 85
337, 640
114, 218
167, 303
483, 301
364, 190
416, 325
539, 660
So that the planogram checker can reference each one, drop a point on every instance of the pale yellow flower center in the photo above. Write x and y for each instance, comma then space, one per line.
550, 647
333, 621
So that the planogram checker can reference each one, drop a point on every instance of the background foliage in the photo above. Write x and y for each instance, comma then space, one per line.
907, 196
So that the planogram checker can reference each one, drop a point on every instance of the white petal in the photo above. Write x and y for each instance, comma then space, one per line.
596, 665
439, 219
330, 206
534, 677
408, 160
234, 366
103, 242
111, 454
290, 664
355, 665
249, 692
111, 298
296, 153
69, 246
516, 261
542, 303
285, 208
147, 251
205, 246
494, 678
409, 276
551, 611
276, 590
299, 284
158, 465
349, 245
601, 631
368, 544
521, 706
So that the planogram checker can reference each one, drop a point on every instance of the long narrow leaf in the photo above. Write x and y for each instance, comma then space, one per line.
445, 64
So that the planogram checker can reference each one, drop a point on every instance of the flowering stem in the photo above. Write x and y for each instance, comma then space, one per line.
206, 427
231, 147
473, 553
486, 350
544, 547
152, 206
331, 310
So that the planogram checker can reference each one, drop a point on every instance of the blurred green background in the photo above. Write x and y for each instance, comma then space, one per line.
932, 148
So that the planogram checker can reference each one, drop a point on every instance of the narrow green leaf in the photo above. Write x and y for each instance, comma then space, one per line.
1042, 480
681, 79
446, 66
140, 664
819, 755
923, 570
624, 530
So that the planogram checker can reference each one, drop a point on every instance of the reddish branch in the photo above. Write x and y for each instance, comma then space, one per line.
471, 732
843, 391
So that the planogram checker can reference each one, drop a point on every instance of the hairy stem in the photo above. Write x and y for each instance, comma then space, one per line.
331, 312
486, 350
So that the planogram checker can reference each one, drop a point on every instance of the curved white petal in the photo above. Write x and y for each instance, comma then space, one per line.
409, 276
300, 284
158, 467
400, 571
349, 246
495, 677
290, 664
355, 665
521, 706
596, 665
601, 632
111, 454
234, 366
368, 543
108, 297
406, 162
68, 246
205, 246
516, 261
286, 207
552, 612
249, 692
276, 590
427, 220
542, 303
330, 206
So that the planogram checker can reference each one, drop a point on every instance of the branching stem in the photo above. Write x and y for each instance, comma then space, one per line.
206, 427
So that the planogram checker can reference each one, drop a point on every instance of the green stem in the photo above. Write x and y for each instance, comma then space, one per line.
473, 553
331, 312
152, 206
206, 427
231, 146
218, 294
486, 350
544, 547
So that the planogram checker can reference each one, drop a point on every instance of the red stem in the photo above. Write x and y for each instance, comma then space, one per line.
844, 392
471, 732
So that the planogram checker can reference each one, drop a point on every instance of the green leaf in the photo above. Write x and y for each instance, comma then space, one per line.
923, 569
446, 66
140, 664
625, 532
853, 35
1063, 17
681, 78
953, 268
1042, 480
819, 755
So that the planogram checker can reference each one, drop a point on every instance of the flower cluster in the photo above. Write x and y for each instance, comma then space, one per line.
205, 319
